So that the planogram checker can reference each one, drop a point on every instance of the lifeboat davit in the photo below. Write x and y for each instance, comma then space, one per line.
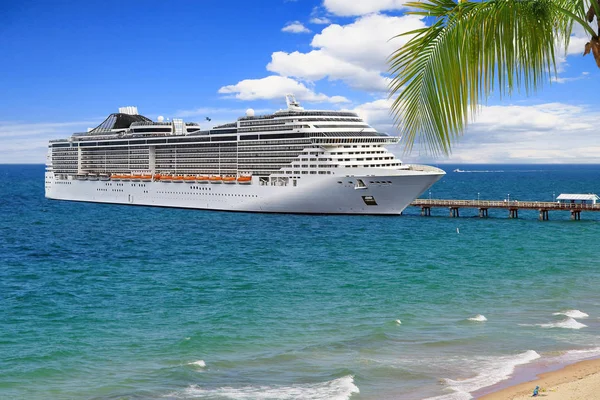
229, 179
244, 180
215, 179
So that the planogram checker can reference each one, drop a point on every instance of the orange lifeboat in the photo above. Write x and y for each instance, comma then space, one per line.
157, 177
189, 179
178, 178
203, 179
166, 178
229, 179
244, 180
115, 177
146, 178
125, 177
215, 179
136, 178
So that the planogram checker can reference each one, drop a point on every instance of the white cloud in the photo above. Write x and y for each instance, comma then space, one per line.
46, 129
355, 53
320, 21
377, 114
213, 111
349, 8
316, 65
22, 142
369, 40
275, 87
544, 133
295, 27
561, 79
579, 37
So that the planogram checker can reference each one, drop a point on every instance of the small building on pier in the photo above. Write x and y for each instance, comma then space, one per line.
569, 198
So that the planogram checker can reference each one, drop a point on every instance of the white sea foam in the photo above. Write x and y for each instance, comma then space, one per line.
573, 314
573, 356
199, 363
568, 323
398, 322
490, 371
337, 389
478, 318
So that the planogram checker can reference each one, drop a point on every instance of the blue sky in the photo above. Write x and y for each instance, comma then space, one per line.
68, 64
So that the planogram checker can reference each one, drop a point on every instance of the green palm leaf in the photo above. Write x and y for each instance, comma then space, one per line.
472, 49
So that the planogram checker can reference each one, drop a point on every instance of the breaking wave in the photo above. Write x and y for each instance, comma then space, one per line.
337, 389
478, 318
573, 314
199, 363
568, 323
491, 371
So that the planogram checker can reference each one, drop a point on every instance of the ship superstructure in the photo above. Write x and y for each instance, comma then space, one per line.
293, 160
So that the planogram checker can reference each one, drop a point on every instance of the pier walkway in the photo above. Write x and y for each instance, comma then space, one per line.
513, 207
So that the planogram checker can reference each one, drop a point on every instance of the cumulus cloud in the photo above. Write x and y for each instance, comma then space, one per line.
275, 87
377, 114
355, 53
295, 27
316, 65
543, 133
348, 8
369, 40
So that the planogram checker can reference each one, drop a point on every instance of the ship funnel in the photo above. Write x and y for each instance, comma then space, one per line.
131, 110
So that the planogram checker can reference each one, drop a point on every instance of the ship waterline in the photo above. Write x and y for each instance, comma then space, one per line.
292, 161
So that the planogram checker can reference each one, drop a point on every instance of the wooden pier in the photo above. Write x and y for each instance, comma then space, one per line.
513, 207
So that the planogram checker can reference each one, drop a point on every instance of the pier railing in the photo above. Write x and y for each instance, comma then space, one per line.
513, 206
532, 205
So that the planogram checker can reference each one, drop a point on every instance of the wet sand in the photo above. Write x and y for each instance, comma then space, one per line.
576, 381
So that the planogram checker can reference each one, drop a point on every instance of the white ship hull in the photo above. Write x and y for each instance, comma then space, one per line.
388, 193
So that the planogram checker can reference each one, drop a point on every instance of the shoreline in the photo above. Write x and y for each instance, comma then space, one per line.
580, 380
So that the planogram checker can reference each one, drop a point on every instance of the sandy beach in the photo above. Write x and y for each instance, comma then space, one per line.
580, 381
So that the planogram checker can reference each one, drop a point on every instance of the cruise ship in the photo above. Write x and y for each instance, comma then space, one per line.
291, 161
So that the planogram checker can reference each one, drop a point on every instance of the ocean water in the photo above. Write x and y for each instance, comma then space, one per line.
119, 302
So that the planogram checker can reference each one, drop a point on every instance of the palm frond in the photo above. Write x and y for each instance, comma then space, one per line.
472, 49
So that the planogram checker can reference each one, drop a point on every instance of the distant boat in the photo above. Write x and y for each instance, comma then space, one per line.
458, 170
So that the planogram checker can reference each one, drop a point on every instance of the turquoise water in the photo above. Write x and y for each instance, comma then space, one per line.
117, 302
